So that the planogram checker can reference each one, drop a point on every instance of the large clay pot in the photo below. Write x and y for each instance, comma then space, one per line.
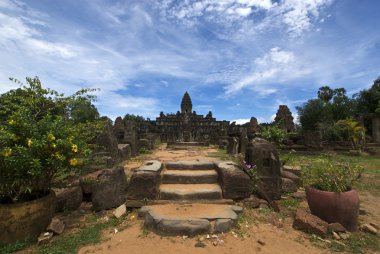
342, 207
26, 219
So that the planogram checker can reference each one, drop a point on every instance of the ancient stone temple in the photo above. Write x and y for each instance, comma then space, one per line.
188, 126
284, 118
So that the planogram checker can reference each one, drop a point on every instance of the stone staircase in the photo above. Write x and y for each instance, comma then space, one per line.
186, 182
187, 197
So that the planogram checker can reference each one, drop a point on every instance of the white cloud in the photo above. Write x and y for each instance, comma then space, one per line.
297, 16
275, 66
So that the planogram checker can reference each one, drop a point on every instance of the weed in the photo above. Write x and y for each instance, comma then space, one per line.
290, 203
144, 232
265, 211
13, 247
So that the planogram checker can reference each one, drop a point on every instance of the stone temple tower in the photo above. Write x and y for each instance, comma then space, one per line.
186, 105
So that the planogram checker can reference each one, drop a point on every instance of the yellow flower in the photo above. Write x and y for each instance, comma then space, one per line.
29, 142
11, 122
70, 139
7, 152
51, 137
54, 145
74, 148
73, 162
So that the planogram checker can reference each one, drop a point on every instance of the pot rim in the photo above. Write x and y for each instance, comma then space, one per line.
50, 194
311, 188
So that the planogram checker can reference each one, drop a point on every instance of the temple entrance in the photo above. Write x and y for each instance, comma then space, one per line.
186, 136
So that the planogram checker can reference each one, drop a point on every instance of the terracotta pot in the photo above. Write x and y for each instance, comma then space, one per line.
342, 207
26, 219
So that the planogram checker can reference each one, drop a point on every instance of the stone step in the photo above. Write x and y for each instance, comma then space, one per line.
190, 165
189, 219
140, 203
189, 176
190, 191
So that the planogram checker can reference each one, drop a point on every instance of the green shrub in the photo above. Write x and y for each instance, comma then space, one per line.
38, 141
330, 174
273, 134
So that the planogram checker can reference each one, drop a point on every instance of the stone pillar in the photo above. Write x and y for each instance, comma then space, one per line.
233, 145
376, 129
265, 156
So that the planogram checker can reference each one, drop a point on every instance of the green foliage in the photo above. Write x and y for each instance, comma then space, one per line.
144, 151
133, 118
39, 140
368, 100
354, 131
330, 174
325, 93
321, 113
273, 134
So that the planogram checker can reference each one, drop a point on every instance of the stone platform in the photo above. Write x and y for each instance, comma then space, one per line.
189, 219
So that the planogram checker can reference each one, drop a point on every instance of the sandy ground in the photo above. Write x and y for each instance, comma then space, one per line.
273, 239
260, 236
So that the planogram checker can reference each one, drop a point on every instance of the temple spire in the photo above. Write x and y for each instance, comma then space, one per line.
186, 105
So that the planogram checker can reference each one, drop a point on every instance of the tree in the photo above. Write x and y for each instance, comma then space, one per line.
313, 112
368, 100
325, 93
354, 131
322, 113
134, 118
82, 111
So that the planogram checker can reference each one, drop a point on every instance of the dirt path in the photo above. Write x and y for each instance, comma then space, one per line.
273, 239
256, 235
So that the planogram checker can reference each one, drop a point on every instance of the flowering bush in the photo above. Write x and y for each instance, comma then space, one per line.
38, 141
330, 174
251, 171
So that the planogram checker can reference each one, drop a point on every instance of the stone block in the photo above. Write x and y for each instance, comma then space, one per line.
291, 176
288, 186
145, 181
265, 157
233, 145
234, 182
292, 169
223, 225
108, 190
251, 202
125, 152
192, 165
172, 227
56, 226
68, 198
337, 227
309, 223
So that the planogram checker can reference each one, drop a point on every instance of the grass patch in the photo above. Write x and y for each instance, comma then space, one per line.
290, 203
358, 243
370, 181
13, 247
245, 219
71, 243
144, 232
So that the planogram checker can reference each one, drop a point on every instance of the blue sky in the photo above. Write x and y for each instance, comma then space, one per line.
237, 58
